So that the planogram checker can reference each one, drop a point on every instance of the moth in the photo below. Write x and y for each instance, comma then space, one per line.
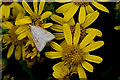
40, 36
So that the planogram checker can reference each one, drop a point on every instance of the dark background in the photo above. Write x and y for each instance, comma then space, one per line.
107, 70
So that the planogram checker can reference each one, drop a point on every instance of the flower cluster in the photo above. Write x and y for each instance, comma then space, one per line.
73, 39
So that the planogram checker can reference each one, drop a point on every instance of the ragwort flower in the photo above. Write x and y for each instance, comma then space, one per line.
5, 11
90, 18
74, 54
11, 38
70, 9
35, 18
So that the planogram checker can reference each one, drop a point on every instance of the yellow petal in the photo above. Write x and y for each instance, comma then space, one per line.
56, 46
38, 55
22, 36
45, 15
41, 6
57, 28
59, 36
17, 9
89, 9
19, 16
87, 66
27, 7
58, 65
47, 25
64, 8
29, 34
22, 29
18, 52
81, 73
90, 18
27, 43
5, 11
93, 58
82, 15
7, 25
88, 38
10, 51
70, 13
61, 69
96, 31
34, 54
57, 19
28, 55
93, 46
35, 2
67, 34
1, 13
23, 21
63, 43
33, 49
57, 75
74, 69
53, 55
100, 7
71, 22
76, 34
117, 27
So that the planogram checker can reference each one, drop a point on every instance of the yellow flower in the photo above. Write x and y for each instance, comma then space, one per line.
117, 27
11, 38
26, 44
90, 18
70, 9
35, 17
5, 10
74, 54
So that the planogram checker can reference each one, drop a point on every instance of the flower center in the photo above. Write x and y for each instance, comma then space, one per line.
83, 33
72, 55
72, 28
36, 19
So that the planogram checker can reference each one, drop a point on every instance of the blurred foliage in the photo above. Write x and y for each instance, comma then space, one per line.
26, 69
118, 78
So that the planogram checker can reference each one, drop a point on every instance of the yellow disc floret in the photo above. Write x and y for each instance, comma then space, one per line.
72, 55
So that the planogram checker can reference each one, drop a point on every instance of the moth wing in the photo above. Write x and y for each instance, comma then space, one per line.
38, 38
47, 36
